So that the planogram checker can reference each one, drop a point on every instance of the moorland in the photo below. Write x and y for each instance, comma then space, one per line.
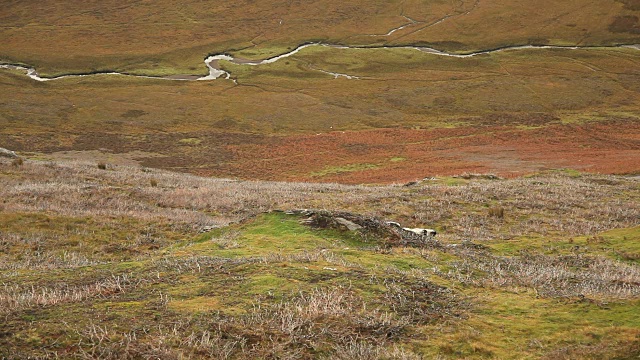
403, 113
149, 214
130, 262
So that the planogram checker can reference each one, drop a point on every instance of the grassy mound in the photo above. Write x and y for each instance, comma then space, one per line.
107, 264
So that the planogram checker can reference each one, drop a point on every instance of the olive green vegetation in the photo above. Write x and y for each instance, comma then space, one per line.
161, 38
247, 273
619, 244
397, 88
337, 170
83, 239
101, 267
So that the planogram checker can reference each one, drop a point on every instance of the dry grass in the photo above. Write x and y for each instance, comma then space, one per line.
269, 286
13, 298
331, 322
496, 212
626, 350
47, 260
594, 278
551, 204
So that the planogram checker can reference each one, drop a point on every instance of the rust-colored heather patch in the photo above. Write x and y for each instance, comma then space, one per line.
370, 156
395, 155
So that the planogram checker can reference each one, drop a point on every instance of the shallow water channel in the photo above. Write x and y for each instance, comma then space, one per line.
215, 72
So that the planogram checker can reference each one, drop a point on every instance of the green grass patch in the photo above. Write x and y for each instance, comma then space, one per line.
397, 159
196, 305
335, 170
620, 244
625, 243
508, 321
268, 234
190, 141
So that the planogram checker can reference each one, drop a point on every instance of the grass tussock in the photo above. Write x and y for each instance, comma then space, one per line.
551, 276
13, 298
497, 212
545, 205
206, 268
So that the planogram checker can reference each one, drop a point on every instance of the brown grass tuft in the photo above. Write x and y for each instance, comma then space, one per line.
497, 212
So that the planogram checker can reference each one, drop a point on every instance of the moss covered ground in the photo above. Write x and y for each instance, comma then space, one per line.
78, 282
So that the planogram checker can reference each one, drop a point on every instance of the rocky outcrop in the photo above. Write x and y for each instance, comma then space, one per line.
350, 225
386, 233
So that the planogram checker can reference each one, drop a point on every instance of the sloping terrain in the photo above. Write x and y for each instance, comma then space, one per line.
145, 214
162, 37
510, 105
512, 112
128, 262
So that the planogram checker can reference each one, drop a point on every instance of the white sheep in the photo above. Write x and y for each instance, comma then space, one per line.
417, 231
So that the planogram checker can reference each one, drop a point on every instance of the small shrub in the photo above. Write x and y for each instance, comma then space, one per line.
102, 166
497, 212
153, 182
17, 162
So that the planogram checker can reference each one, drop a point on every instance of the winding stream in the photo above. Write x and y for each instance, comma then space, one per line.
215, 72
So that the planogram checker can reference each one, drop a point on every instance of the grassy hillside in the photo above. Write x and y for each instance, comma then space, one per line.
148, 218
327, 114
130, 262
511, 113
162, 37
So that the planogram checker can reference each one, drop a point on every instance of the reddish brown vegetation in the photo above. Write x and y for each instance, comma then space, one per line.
612, 147
486, 145
627, 23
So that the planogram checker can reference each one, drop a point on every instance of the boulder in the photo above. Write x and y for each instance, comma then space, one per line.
348, 224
